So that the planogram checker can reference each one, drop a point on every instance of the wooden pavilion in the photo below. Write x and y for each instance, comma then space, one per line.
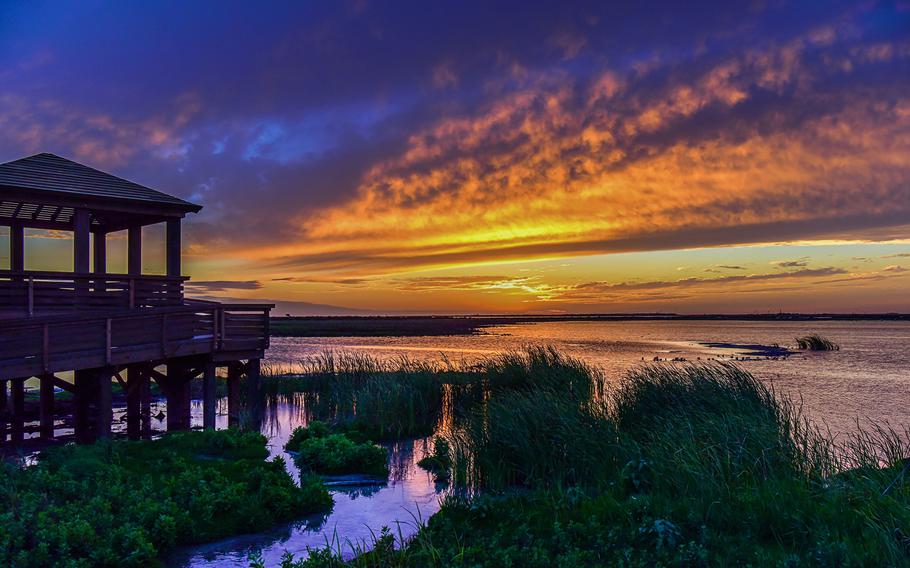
126, 329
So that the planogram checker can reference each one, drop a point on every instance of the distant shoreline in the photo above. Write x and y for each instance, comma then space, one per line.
413, 326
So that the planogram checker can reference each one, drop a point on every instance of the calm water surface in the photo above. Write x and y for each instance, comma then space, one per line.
869, 379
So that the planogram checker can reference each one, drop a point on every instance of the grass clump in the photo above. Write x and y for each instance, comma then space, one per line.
439, 462
123, 503
380, 401
321, 450
815, 342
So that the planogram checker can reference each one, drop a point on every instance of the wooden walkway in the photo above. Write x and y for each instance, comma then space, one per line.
129, 330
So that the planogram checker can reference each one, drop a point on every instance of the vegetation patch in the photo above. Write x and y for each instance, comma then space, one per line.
439, 463
321, 451
374, 400
815, 342
123, 503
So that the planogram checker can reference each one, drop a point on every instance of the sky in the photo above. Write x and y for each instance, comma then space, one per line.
489, 157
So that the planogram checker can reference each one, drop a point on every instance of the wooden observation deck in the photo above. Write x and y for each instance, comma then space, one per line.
125, 329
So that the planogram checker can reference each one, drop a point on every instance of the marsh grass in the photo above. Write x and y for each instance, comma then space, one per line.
382, 400
815, 342
679, 464
402, 398
674, 465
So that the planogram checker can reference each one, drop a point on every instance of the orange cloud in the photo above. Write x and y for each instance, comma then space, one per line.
559, 169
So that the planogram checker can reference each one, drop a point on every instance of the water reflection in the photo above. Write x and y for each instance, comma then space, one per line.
409, 497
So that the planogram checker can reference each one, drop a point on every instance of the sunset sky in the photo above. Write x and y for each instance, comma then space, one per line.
477, 157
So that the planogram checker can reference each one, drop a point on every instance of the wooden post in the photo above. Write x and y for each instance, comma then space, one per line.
254, 375
253, 403
81, 252
84, 400
81, 241
16, 248
47, 406
4, 410
105, 414
173, 247
133, 402
209, 399
178, 397
134, 253
18, 409
17, 257
100, 252
145, 405
235, 370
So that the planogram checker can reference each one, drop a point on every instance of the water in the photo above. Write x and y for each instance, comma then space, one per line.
869, 379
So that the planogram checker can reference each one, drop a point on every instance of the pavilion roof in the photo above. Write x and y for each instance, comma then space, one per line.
49, 172
44, 189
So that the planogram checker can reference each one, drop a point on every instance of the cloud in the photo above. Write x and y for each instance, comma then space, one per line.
653, 290
321, 280
371, 142
898, 255
550, 166
790, 263
223, 285
894, 268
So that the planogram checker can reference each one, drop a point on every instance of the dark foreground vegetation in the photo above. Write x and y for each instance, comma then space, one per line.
677, 465
123, 503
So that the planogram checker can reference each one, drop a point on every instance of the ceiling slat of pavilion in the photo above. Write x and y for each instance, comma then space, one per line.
29, 212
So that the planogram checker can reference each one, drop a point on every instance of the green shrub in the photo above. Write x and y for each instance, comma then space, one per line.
315, 429
336, 454
123, 503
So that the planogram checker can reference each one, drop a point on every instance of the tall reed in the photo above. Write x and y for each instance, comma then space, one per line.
815, 342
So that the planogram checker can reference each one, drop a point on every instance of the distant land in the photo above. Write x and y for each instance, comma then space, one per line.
411, 326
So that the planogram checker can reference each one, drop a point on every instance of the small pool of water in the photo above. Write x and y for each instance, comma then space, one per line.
408, 498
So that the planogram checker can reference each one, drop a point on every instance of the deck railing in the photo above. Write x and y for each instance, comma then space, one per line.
46, 344
36, 291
